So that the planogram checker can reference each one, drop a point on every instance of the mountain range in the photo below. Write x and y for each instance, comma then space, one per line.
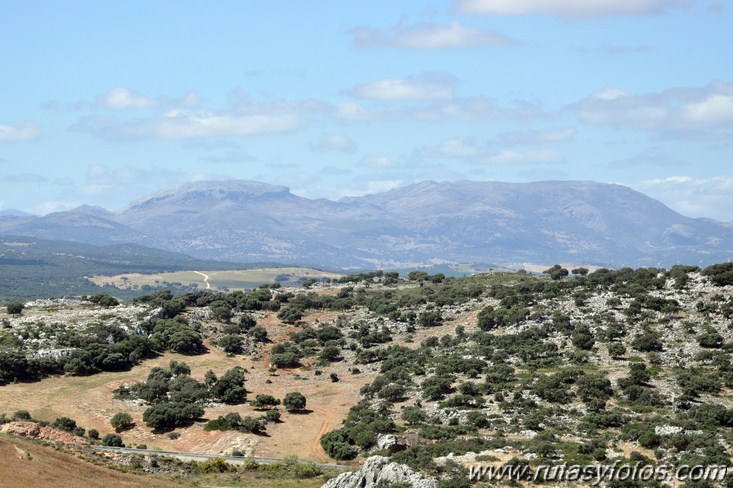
424, 224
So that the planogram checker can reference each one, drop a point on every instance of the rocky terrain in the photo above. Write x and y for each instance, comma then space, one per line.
417, 378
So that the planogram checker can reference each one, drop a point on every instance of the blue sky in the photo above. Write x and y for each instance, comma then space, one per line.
104, 102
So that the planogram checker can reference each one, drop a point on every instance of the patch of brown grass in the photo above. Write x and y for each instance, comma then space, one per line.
24, 464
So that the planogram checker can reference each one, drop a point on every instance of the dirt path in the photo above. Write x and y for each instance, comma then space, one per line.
315, 449
206, 279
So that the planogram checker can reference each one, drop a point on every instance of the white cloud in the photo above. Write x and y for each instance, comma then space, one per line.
715, 109
396, 89
183, 124
428, 36
379, 162
688, 112
17, 133
331, 142
122, 98
475, 109
514, 158
230, 156
537, 137
369, 187
694, 197
469, 151
54, 206
354, 111
570, 9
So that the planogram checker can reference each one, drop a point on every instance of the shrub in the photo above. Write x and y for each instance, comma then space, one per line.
414, 415
272, 416
121, 421
339, 445
22, 415
649, 440
430, 318
112, 440
264, 402
259, 333
294, 402
214, 465
583, 338
710, 339
64, 423
290, 314
330, 353
647, 342
720, 274
170, 415
478, 419
14, 308
231, 344
230, 387
616, 350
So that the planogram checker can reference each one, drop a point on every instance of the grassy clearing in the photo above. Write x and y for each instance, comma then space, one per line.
232, 279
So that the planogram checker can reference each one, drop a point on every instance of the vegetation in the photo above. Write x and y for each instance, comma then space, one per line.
294, 402
565, 366
121, 421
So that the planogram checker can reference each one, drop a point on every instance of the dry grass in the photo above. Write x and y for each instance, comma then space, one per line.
232, 279
24, 464
89, 400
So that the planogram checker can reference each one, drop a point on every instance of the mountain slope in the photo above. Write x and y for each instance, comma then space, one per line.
421, 224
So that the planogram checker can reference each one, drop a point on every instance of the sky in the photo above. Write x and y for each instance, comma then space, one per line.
102, 103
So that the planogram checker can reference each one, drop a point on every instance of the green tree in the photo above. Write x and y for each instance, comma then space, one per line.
121, 421
259, 333
330, 353
170, 415
231, 344
64, 423
230, 387
583, 338
14, 308
262, 402
557, 272
112, 440
294, 402
414, 415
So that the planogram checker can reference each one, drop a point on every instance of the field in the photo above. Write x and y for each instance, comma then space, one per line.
24, 463
230, 279
89, 400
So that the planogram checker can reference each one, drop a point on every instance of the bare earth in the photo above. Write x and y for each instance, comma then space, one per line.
89, 401
24, 464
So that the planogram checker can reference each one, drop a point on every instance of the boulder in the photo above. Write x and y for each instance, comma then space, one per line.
390, 443
378, 469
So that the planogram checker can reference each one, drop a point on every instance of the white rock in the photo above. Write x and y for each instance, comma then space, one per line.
378, 469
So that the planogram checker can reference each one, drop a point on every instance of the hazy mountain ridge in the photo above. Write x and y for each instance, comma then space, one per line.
424, 223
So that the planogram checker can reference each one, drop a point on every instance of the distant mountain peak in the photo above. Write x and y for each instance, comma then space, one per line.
454, 222
211, 189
